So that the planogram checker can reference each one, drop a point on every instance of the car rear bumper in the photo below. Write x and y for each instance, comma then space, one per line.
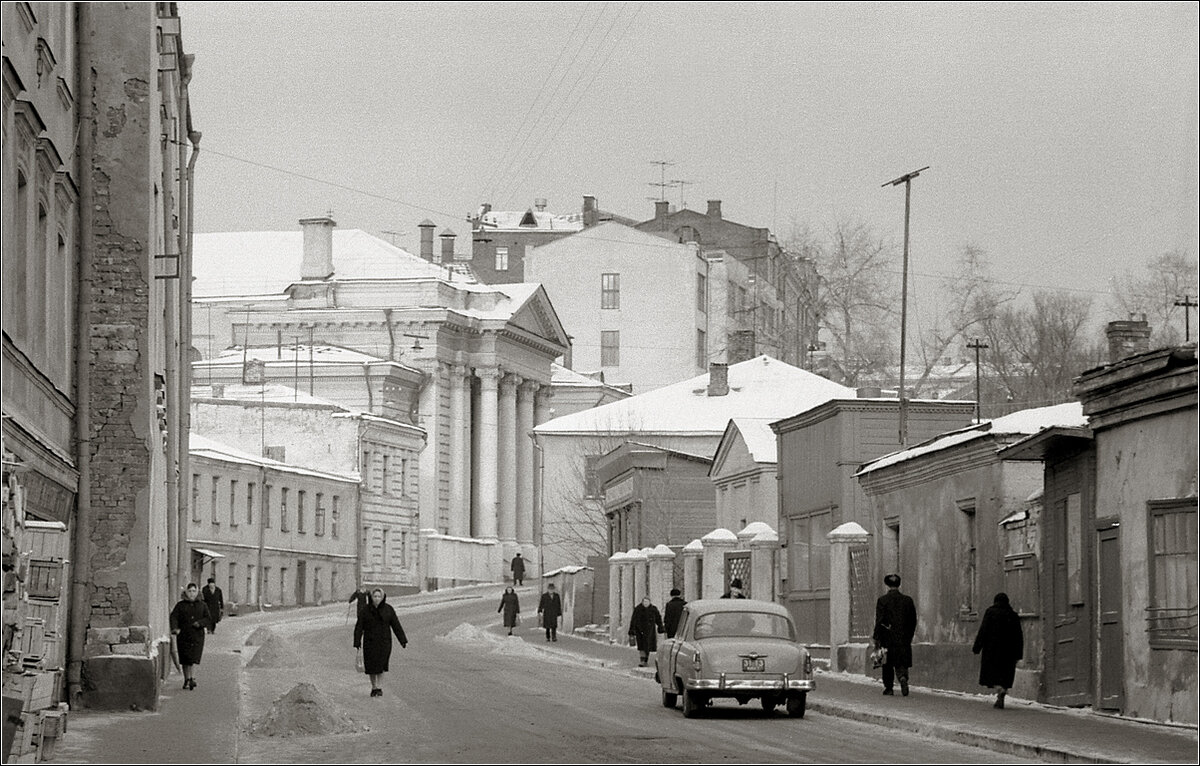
743, 684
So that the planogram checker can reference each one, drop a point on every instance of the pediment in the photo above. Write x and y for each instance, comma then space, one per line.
538, 317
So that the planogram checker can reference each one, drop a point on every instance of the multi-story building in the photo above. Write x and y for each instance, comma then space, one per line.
780, 303
96, 188
485, 354
278, 422
271, 533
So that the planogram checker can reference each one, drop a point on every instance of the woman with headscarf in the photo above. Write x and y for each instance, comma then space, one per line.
1001, 645
189, 619
373, 634
511, 608
644, 629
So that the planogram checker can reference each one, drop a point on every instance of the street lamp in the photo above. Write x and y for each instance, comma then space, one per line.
905, 179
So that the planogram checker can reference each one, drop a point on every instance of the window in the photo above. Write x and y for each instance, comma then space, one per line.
300, 511
316, 594
610, 348
267, 506
701, 349
266, 585
403, 477
702, 293
502, 259
233, 485
231, 593
809, 565
590, 482
969, 584
212, 501
1172, 615
283, 512
333, 582
319, 515
610, 291
366, 471
731, 306
278, 454
383, 549
333, 518
283, 572
383, 484
403, 549
250, 502
249, 585
195, 497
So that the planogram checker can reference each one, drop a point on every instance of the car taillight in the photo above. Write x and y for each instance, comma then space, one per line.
808, 664
696, 662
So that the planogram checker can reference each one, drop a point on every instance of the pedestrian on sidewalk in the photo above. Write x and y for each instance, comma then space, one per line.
895, 625
518, 570
189, 619
644, 628
550, 608
373, 634
672, 612
214, 599
361, 598
1000, 644
511, 606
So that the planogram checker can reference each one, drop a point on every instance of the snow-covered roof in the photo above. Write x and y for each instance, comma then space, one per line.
1022, 423
289, 354
759, 438
510, 220
762, 387
274, 393
266, 262
600, 240
201, 446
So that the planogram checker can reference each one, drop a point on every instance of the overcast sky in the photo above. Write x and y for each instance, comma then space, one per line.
1062, 139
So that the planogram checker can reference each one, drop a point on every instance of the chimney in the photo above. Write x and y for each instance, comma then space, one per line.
718, 379
740, 346
540, 204
318, 248
426, 228
714, 208
1127, 337
590, 210
868, 392
662, 208
447, 246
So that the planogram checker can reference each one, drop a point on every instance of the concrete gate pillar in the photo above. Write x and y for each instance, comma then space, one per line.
693, 558
840, 542
763, 579
661, 575
716, 543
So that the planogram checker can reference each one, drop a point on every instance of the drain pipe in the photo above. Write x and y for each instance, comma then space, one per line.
81, 553
387, 317
183, 560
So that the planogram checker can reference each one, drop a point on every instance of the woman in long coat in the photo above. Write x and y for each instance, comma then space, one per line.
511, 608
644, 629
373, 634
189, 619
1001, 645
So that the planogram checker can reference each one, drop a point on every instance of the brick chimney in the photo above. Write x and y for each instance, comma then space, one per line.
718, 379
590, 210
1127, 337
662, 209
447, 245
426, 228
714, 208
318, 248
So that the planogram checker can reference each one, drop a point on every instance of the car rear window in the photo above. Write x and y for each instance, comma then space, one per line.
757, 624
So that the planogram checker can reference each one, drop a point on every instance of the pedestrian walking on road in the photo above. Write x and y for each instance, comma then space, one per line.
1000, 644
511, 608
644, 628
518, 570
373, 634
550, 608
735, 590
895, 625
189, 620
214, 599
361, 598
672, 612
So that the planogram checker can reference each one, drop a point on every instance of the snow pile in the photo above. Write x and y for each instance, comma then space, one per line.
303, 711
499, 644
277, 652
473, 634
260, 636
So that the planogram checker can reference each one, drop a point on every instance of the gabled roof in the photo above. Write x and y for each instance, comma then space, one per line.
762, 387
530, 220
603, 238
564, 377
755, 433
1021, 423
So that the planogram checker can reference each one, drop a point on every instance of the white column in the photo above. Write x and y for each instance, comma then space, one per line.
541, 413
640, 560
506, 464
693, 558
716, 543
459, 476
525, 452
484, 526
661, 564
762, 565
616, 571
840, 542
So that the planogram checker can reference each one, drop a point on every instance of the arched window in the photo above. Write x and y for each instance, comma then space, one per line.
688, 234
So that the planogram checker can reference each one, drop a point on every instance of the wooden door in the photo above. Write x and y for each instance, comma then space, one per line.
1111, 647
1069, 656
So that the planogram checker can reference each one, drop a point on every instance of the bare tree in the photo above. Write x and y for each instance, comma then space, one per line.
1164, 279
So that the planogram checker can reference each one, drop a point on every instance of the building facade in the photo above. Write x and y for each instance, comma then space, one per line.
97, 169
743, 474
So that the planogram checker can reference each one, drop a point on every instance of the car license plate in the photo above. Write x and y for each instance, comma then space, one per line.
754, 665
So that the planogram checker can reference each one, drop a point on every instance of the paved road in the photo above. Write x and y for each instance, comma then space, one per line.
493, 699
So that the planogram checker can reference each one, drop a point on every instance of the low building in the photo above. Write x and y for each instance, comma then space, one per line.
572, 391
271, 533
964, 513
743, 474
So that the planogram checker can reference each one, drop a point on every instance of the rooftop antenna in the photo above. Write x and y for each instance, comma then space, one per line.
662, 184
681, 184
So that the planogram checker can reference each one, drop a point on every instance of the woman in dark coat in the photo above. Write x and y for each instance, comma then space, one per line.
1001, 644
189, 619
511, 608
644, 629
373, 634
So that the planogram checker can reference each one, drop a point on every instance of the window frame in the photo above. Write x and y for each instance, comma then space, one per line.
1168, 637
610, 290
610, 353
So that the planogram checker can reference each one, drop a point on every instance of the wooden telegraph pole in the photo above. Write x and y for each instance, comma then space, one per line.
905, 179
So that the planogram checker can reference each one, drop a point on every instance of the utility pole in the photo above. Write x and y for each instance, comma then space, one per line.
905, 179
1188, 302
978, 345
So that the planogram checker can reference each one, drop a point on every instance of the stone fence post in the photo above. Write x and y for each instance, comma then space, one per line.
616, 577
841, 540
715, 543
762, 564
635, 563
693, 558
660, 565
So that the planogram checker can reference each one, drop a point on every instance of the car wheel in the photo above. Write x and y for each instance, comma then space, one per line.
692, 704
796, 704
669, 699
769, 704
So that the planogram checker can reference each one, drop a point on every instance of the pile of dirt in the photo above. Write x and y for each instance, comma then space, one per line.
260, 636
302, 712
277, 652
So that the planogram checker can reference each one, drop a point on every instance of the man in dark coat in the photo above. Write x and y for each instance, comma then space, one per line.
361, 598
373, 634
1002, 645
895, 625
518, 570
644, 628
550, 608
214, 599
188, 620
672, 612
